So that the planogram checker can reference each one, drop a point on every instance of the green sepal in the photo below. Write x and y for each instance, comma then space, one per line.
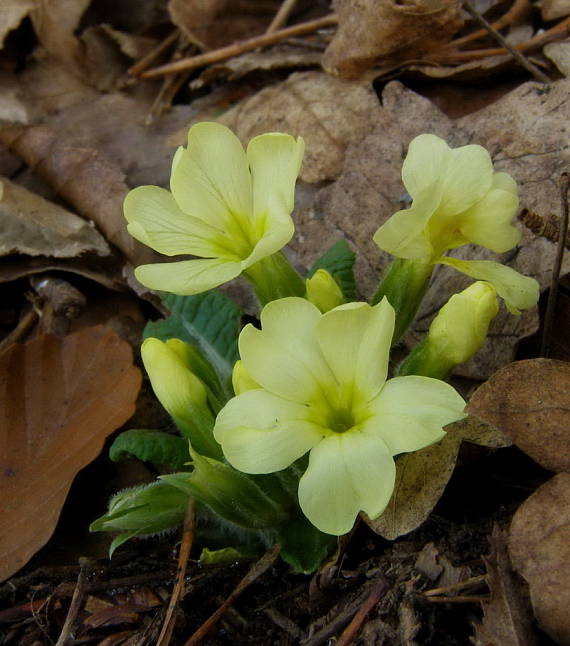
339, 261
229, 493
404, 285
424, 362
211, 322
142, 511
273, 277
303, 546
150, 446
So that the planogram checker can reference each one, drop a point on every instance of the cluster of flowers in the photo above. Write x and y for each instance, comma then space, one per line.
314, 379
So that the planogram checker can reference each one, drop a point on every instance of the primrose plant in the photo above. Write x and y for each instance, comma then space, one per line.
291, 428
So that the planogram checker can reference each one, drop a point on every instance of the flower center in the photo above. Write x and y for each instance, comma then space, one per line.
340, 420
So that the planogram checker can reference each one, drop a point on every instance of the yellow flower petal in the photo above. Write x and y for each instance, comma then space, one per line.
262, 433
188, 276
410, 412
519, 292
347, 473
287, 340
488, 222
210, 179
355, 340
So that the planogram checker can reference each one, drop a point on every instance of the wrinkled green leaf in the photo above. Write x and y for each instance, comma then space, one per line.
339, 261
303, 546
150, 446
210, 321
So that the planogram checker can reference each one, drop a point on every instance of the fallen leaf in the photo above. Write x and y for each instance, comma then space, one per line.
33, 226
529, 401
559, 54
12, 14
60, 399
372, 30
525, 132
329, 114
539, 545
277, 57
12, 108
421, 477
552, 9
55, 22
507, 620
85, 178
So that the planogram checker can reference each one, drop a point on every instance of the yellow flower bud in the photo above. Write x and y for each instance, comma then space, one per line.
241, 379
323, 291
180, 391
461, 326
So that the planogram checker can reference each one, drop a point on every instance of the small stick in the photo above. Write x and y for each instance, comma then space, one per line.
25, 324
183, 556
281, 16
458, 599
147, 59
512, 14
75, 604
264, 563
529, 67
549, 316
559, 31
240, 47
350, 632
455, 586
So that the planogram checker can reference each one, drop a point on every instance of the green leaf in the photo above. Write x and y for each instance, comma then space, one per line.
151, 446
303, 546
339, 261
210, 321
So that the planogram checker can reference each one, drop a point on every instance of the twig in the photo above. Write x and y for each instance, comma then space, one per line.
512, 14
479, 599
549, 316
474, 580
240, 47
517, 55
281, 16
183, 556
264, 563
559, 31
147, 59
75, 604
350, 632
20, 331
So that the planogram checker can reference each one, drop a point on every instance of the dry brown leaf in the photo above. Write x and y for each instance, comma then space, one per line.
559, 54
216, 23
329, 114
421, 478
277, 57
506, 617
55, 22
529, 401
59, 400
373, 30
526, 132
12, 14
85, 178
33, 226
12, 108
539, 545
552, 9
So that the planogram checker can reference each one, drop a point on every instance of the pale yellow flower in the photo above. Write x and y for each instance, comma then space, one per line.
229, 207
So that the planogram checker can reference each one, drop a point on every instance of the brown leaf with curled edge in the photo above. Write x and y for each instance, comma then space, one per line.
34, 226
12, 14
529, 401
373, 30
329, 114
539, 545
507, 620
59, 400
421, 477
86, 179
